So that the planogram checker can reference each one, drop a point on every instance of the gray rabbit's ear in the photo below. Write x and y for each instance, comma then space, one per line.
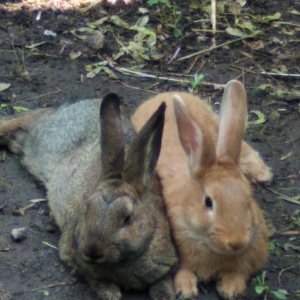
144, 151
195, 140
111, 137
232, 121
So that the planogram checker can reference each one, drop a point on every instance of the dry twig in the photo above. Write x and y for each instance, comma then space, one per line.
285, 197
125, 71
52, 285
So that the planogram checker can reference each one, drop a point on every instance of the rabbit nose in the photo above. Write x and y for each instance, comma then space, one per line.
93, 254
236, 245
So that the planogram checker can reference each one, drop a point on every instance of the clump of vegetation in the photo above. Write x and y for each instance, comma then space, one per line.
273, 247
196, 81
261, 288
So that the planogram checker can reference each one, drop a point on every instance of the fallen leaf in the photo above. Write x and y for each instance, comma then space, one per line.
257, 45
295, 12
235, 32
32, 46
74, 55
288, 246
143, 10
276, 16
95, 69
4, 86
261, 118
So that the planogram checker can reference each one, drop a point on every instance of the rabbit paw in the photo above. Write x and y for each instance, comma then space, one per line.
186, 285
231, 286
106, 291
162, 290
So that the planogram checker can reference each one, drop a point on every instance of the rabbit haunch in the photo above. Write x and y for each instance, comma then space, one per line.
205, 167
102, 192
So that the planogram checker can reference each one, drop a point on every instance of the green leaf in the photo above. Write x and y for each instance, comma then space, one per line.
153, 2
235, 32
142, 22
97, 23
276, 16
119, 22
34, 45
288, 246
177, 32
280, 294
260, 289
19, 108
261, 118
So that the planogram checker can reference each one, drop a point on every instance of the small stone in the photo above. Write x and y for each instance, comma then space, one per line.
95, 40
51, 228
19, 234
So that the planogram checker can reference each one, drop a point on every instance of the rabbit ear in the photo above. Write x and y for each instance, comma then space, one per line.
144, 151
112, 143
196, 142
232, 121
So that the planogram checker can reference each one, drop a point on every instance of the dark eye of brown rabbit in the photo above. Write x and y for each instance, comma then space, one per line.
208, 202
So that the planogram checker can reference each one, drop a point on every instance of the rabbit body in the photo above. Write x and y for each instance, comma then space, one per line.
109, 208
218, 227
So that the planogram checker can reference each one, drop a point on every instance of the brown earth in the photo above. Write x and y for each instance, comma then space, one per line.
44, 75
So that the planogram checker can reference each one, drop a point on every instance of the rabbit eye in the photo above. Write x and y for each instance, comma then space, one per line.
127, 220
208, 202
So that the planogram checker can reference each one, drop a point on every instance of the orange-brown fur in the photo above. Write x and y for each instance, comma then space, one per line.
184, 194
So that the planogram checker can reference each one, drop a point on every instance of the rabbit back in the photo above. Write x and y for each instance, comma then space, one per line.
52, 143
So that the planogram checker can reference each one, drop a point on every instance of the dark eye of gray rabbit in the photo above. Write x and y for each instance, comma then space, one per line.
208, 202
127, 220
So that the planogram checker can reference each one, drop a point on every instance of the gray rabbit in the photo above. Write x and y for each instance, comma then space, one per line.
102, 192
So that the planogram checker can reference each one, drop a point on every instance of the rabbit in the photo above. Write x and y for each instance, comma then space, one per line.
218, 227
102, 192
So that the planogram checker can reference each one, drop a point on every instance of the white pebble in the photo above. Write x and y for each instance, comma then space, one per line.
19, 234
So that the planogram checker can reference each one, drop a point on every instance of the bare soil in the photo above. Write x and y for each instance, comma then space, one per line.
44, 75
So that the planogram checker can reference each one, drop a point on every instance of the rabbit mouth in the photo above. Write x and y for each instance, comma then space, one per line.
101, 260
227, 248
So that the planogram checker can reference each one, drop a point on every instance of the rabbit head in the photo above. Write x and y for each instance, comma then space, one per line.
227, 217
120, 216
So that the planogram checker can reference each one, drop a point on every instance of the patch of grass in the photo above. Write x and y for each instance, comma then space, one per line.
170, 16
261, 288
176, 17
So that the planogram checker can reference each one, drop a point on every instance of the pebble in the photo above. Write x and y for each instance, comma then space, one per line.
95, 40
19, 234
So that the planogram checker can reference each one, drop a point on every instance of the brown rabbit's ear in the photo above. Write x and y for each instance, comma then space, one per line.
144, 151
112, 142
232, 121
196, 142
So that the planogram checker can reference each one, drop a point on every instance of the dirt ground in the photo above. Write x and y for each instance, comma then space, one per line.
43, 75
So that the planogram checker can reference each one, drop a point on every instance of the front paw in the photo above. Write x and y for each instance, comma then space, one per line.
231, 286
162, 290
186, 285
106, 291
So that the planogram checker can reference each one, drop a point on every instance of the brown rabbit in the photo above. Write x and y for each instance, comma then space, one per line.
102, 192
218, 227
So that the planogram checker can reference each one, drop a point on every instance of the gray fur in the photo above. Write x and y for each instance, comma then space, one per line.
62, 149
